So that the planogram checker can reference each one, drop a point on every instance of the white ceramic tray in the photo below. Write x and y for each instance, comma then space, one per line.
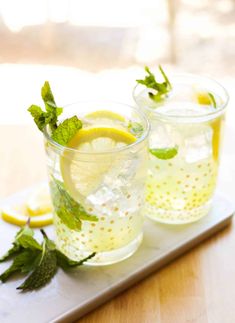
70, 296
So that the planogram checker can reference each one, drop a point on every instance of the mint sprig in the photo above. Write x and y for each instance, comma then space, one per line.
161, 89
40, 261
68, 210
164, 153
61, 133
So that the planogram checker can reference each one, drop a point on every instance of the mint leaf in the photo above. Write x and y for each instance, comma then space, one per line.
161, 89
68, 210
39, 116
65, 263
136, 128
11, 252
24, 239
21, 263
164, 153
17, 247
52, 110
66, 130
50, 244
28, 242
33, 263
167, 82
50, 116
44, 271
47, 95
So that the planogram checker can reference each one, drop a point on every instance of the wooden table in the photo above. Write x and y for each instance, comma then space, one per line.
199, 287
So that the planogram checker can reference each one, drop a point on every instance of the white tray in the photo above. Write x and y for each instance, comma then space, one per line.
70, 296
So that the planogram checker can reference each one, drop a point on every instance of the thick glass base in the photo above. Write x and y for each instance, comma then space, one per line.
108, 257
177, 216
111, 257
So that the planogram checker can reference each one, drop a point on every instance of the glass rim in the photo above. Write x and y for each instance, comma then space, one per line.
216, 111
113, 151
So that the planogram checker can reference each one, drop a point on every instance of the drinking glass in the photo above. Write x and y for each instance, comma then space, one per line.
106, 183
186, 129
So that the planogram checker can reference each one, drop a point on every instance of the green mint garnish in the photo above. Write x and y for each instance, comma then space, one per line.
161, 89
68, 210
135, 128
212, 98
40, 263
61, 133
66, 130
164, 153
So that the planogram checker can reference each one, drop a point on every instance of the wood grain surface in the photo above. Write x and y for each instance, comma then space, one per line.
199, 287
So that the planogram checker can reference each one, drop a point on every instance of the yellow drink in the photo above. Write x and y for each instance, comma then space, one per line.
179, 190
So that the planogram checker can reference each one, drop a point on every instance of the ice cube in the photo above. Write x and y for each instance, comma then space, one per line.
102, 195
122, 173
198, 143
164, 136
120, 188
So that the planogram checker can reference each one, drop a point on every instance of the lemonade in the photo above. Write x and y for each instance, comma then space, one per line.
100, 174
181, 188
186, 127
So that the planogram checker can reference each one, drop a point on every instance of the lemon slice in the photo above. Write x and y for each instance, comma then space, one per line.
105, 115
217, 126
82, 174
206, 98
18, 216
39, 202
203, 98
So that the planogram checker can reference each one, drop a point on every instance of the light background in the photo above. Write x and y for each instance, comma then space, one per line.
96, 49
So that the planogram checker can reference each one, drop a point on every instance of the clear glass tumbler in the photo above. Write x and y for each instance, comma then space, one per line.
185, 142
106, 183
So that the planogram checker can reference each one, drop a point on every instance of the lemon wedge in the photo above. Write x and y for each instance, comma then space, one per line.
203, 98
206, 98
39, 202
19, 216
83, 174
